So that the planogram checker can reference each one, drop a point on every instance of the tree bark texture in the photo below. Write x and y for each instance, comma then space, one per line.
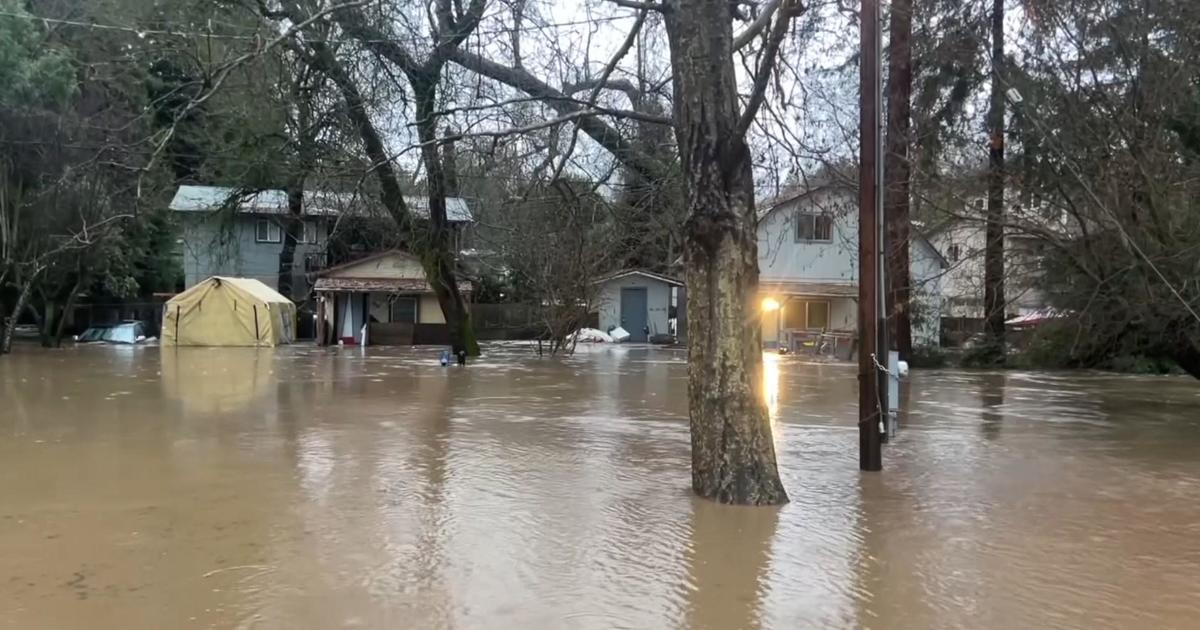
733, 452
439, 257
993, 256
897, 178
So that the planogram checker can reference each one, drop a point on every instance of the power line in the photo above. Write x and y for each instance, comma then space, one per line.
142, 33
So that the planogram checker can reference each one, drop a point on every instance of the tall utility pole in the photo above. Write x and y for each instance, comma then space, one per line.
870, 412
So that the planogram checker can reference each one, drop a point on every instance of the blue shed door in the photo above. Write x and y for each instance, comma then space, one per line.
633, 313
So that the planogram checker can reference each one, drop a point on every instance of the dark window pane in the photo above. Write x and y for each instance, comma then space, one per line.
818, 315
404, 310
794, 315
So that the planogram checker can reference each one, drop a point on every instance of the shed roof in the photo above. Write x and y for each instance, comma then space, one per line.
191, 198
639, 272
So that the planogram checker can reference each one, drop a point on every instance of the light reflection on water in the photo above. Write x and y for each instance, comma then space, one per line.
305, 488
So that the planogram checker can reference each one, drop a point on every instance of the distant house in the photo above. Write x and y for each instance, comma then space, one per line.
962, 239
246, 239
388, 293
636, 300
808, 268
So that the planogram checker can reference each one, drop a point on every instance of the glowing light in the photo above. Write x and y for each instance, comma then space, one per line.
770, 304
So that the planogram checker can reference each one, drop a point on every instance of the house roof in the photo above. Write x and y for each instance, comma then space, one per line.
375, 285
338, 270
316, 203
638, 272
814, 289
342, 278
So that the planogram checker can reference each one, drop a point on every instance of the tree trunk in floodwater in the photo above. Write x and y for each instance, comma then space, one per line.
993, 253
1188, 358
68, 310
48, 324
896, 174
733, 453
438, 257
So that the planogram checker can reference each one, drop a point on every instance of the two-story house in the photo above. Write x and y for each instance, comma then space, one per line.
808, 268
961, 237
224, 232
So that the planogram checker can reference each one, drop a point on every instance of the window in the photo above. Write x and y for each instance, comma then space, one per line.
806, 315
267, 231
310, 231
954, 252
404, 309
816, 228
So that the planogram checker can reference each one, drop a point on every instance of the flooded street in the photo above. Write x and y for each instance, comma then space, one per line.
305, 488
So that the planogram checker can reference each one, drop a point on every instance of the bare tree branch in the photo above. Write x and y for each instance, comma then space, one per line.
604, 134
789, 9
764, 18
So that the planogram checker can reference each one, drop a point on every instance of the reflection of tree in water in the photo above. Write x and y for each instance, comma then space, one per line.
727, 565
991, 397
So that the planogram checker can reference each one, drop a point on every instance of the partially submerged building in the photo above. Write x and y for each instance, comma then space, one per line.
381, 299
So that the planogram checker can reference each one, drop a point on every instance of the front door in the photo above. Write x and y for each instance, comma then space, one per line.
633, 313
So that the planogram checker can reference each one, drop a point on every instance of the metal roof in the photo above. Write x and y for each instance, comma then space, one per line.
316, 203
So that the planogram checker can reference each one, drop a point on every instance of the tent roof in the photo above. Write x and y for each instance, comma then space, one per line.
250, 286
255, 288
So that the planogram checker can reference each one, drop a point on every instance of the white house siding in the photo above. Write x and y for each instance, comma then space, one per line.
658, 302
782, 259
963, 243
216, 244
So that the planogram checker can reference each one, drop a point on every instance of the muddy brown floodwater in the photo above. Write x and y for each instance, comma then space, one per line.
304, 488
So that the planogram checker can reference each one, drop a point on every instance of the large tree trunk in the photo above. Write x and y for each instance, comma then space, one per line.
67, 311
50, 316
293, 233
438, 256
897, 178
993, 255
733, 453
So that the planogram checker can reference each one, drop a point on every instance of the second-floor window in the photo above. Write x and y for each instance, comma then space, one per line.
267, 231
813, 227
310, 231
954, 253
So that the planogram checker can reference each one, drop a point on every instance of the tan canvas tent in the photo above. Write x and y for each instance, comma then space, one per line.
229, 312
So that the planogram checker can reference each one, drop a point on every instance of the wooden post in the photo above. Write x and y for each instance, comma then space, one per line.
870, 456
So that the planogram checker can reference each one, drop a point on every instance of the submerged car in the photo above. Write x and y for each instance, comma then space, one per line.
129, 332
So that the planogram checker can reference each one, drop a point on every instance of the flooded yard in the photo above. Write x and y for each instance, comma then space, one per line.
312, 488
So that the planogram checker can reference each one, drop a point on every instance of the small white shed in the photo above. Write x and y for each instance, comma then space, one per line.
636, 300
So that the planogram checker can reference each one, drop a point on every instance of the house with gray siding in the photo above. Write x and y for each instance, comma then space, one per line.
229, 232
